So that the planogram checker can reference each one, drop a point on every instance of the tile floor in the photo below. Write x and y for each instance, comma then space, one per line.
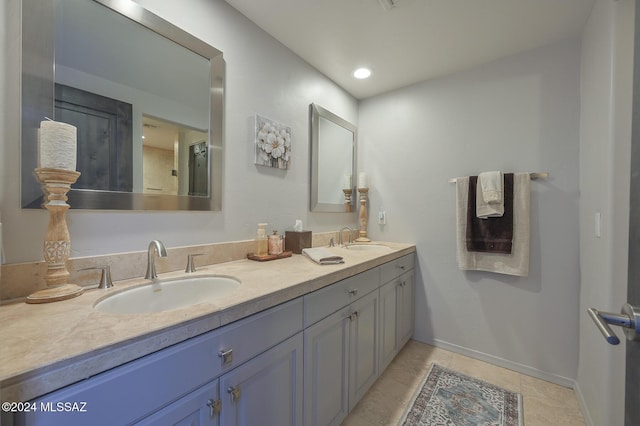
544, 403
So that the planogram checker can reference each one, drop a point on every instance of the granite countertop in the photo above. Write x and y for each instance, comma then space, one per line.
48, 346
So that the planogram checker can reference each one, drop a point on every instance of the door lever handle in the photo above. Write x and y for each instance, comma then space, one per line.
628, 319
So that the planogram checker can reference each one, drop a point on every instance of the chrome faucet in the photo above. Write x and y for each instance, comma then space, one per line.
340, 243
151, 264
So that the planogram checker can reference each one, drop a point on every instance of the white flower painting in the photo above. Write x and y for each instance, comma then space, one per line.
273, 143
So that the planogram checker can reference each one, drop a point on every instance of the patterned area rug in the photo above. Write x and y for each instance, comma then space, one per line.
452, 399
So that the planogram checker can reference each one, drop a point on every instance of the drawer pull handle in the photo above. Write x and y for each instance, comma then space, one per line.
215, 406
353, 291
234, 392
226, 356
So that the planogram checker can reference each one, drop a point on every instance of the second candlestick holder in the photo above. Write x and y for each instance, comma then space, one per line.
363, 216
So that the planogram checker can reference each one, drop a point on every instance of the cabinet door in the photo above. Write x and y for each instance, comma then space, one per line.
405, 308
388, 339
326, 368
363, 356
199, 408
266, 390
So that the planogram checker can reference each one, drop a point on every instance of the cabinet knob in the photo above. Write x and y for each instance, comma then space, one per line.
401, 267
234, 392
215, 406
226, 356
353, 291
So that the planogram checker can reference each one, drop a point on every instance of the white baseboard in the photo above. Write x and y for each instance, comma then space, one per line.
520, 368
583, 405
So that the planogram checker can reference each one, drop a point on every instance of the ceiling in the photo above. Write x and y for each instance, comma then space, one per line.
414, 40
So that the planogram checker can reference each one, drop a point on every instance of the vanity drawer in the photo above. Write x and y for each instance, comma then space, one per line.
242, 340
395, 268
327, 300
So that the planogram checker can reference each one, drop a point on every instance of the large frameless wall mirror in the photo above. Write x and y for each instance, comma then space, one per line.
333, 160
147, 99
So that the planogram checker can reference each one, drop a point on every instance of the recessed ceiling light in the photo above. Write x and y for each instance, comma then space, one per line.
361, 73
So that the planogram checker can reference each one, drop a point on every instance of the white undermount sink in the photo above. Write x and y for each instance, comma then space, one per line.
367, 247
163, 295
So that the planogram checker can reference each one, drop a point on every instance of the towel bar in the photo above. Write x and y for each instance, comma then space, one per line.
534, 176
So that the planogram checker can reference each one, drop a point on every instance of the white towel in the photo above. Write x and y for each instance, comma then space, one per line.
491, 185
322, 256
516, 263
489, 195
486, 210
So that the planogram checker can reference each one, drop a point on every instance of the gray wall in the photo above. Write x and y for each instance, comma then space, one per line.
516, 114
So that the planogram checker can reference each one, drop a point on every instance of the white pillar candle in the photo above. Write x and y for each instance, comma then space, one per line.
347, 181
362, 180
57, 145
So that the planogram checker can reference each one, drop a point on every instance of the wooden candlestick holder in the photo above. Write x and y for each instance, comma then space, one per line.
363, 216
56, 183
347, 199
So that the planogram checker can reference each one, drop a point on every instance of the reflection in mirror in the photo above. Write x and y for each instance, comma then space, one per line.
174, 158
146, 97
333, 164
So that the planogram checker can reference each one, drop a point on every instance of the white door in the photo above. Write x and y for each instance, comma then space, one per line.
630, 319
632, 386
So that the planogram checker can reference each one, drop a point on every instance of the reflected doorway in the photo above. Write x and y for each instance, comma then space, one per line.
174, 158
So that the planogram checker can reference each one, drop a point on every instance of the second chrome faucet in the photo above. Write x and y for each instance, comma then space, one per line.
154, 246
340, 240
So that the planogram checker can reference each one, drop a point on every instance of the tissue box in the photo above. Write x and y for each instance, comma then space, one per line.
297, 240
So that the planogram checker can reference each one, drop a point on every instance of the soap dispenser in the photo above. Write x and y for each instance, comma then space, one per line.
261, 242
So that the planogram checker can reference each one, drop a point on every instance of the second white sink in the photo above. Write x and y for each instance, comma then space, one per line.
368, 247
168, 294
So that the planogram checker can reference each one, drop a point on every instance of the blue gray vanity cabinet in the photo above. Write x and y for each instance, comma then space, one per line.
307, 361
388, 323
406, 296
340, 347
199, 408
266, 390
396, 307
363, 354
326, 370
129, 393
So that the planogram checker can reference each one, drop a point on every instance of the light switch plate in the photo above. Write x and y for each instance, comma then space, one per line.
382, 217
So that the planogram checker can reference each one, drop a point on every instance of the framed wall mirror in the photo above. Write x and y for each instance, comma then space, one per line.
333, 160
147, 99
